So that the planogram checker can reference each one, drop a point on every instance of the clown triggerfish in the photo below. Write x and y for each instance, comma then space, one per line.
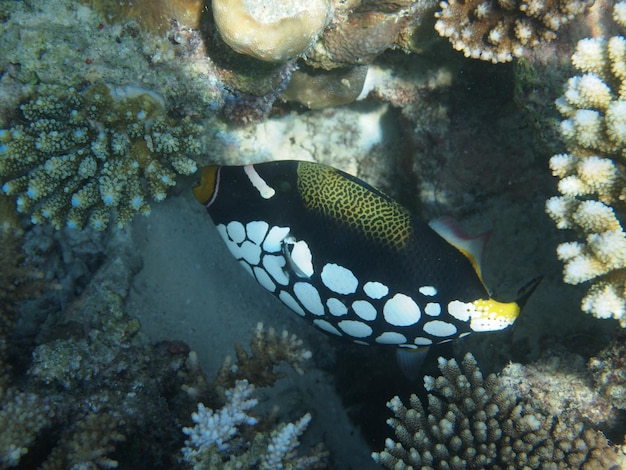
348, 258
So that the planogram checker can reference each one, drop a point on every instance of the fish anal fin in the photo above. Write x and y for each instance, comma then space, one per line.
410, 361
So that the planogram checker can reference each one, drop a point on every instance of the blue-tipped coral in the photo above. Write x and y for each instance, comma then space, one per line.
94, 157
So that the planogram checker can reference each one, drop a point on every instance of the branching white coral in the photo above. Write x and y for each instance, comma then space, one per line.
592, 178
217, 428
229, 438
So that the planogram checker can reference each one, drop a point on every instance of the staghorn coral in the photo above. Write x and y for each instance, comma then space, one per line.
499, 30
220, 439
592, 179
94, 156
474, 422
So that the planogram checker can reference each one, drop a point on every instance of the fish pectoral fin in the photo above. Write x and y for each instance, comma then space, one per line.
410, 361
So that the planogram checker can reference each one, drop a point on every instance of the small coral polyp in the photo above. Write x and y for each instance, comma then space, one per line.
271, 31
94, 157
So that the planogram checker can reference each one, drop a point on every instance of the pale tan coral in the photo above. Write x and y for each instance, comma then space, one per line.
271, 31
592, 178
499, 30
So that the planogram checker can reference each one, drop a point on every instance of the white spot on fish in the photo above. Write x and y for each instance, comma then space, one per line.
432, 309
401, 310
250, 252
324, 325
375, 290
339, 279
460, 310
309, 297
364, 309
290, 302
428, 291
355, 328
274, 240
263, 278
390, 337
236, 231
256, 231
274, 265
421, 341
440, 328
336, 307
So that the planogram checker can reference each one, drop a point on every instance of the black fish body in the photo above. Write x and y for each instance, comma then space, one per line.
347, 257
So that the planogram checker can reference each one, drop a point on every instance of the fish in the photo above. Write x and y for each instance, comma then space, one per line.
351, 260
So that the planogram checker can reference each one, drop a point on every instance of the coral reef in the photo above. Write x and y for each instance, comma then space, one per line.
333, 49
499, 30
92, 381
592, 180
96, 394
229, 437
474, 422
94, 157
218, 439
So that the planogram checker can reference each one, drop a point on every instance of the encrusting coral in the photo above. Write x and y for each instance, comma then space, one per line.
94, 157
499, 30
474, 422
592, 179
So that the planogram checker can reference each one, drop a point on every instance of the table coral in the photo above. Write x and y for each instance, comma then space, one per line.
93, 157
592, 180
474, 422
499, 30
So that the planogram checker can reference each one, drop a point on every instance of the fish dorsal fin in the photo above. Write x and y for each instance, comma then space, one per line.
472, 247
